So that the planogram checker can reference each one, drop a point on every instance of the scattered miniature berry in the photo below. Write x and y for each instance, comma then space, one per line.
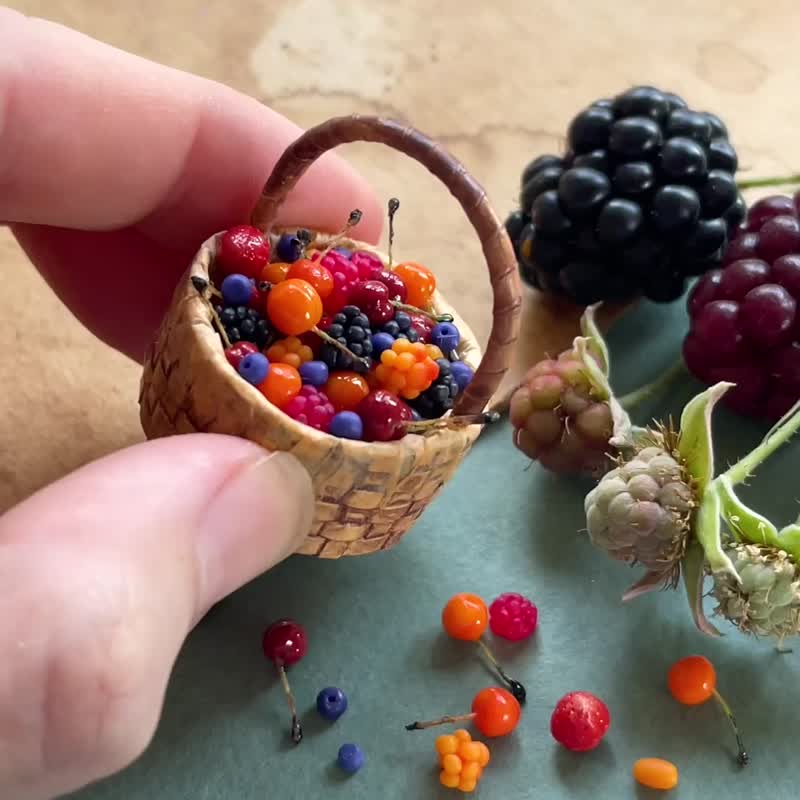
311, 407
394, 283
655, 773
465, 617
645, 198
290, 247
243, 249
372, 297
347, 425
346, 390
744, 321
352, 329
244, 324
314, 273
285, 643
401, 327
294, 307
406, 369
236, 352
282, 383
580, 721
290, 351
384, 416
445, 336
276, 272
350, 758
315, 373
513, 617
419, 281
368, 265
331, 703
463, 374
381, 341
497, 712
237, 290
462, 760
439, 397
254, 368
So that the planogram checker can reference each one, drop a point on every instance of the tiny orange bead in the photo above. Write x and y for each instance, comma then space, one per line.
282, 383
692, 680
655, 773
402, 346
497, 712
405, 361
420, 283
465, 617
467, 785
451, 764
433, 351
313, 272
485, 756
462, 735
389, 357
417, 349
346, 390
275, 273
448, 780
446, 745
418, 376
431, 370
471, 771
294, 306
469, 751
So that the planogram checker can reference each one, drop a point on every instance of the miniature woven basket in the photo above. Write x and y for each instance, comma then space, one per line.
367, 494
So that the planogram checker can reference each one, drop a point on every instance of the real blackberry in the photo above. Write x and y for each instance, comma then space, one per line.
243, 324
644, 198
439, 398
400, 327
352, 329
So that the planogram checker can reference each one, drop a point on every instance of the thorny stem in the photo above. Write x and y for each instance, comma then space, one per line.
394, 205
335, 343
296, 731
517, 689
428, 314
742, 757
421, 726
666, 379
758, 183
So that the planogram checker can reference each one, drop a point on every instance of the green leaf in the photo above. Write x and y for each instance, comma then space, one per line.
708, 530
693, 574
596, 342
745, 524
696, 447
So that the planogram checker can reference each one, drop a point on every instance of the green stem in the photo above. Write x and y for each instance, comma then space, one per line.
758, 183
634, 398
777, 436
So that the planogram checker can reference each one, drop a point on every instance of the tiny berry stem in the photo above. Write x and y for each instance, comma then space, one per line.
296, 731
758, 183
517, 689
333, 342
394, 205
421, 726
353, 220
742, 757
428, 314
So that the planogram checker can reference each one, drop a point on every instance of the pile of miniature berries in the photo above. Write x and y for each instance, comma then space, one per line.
580, 721
335, 338
461, 760
644, 198
744, 320
559, 420
284, 644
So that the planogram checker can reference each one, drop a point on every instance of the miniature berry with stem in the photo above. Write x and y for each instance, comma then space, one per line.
495, 712
294, 307
285, 644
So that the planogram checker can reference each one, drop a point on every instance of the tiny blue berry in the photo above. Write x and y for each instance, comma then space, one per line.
462, 373
254, 368
346, 425
350, 758
445, 336
381, 342
331, 703
290, 248
237, 290
314, 372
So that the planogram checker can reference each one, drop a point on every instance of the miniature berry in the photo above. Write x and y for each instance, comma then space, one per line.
655, 773
384, 416
495, 712
394, 283
236, 352
368, 265
237, 290
350, 328
243, 249
345, 277
580, 721
462, 373
434, 352
513, 617
284, 644
419, 281
276, 272
290, 351
445, 336
331, 703
422, 325
350, 758
401, 327
347, 425
439, 397
254, 368
346, 390
380, 342
291, 247
311, 407
282, 383
314, 373
314, 273
462, 760
692, 681
406, 369
372, 297
294, 306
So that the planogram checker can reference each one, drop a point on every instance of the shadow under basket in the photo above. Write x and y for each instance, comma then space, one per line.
367, 494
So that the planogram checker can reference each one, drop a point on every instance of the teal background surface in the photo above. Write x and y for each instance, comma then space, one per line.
373, 626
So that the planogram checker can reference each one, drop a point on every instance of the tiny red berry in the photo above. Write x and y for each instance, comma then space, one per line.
236, 352
580, 721
513, 617
243, 250
285, 642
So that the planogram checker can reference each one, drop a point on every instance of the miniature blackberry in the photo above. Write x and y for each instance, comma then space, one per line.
352, 329
644, 199
243, 324
400, 327
439, 397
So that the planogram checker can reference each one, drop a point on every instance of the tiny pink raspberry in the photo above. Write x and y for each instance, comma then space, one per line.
312, 408
513, 617
369, 265
345, 277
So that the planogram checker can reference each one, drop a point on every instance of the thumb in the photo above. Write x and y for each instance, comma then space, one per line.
104, 573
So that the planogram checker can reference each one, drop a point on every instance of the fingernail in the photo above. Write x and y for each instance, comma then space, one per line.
260, 515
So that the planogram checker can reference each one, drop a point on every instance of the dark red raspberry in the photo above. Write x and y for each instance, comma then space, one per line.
744, 320
513, 617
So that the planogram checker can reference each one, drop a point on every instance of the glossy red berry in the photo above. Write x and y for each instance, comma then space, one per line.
423, 325
236, 352
397, 289
284, 642
244, 250
580, 721
512, 616
384, 416
372, 297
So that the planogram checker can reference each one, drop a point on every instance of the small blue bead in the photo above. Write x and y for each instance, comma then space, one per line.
350, 758
254, 368
462, 373
445, 336
343, 251
290, 248
331, 703
237, 290
314, 372
380, 342
347, 425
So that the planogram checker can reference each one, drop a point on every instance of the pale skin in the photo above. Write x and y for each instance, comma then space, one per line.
112, 171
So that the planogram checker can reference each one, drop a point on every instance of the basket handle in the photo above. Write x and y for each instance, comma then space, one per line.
496, 245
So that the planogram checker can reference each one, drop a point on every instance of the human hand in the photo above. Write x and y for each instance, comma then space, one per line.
112, 171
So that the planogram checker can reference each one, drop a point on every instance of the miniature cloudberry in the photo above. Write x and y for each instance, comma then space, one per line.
290, 351
406, 369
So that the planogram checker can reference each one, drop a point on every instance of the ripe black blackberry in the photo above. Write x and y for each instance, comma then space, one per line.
439, 397
644, 199
352, 329
400, 327
243, 324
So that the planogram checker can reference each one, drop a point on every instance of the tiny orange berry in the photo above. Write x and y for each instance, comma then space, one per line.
655, 773
469, 751
389, 357
471, 771
465, 617
467, 785
485, 756
433, 351
448, 780
346, 390
451, 764
420, 283
692, 680
405, 361
275, 273
462, 735
447, 744
282, 383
